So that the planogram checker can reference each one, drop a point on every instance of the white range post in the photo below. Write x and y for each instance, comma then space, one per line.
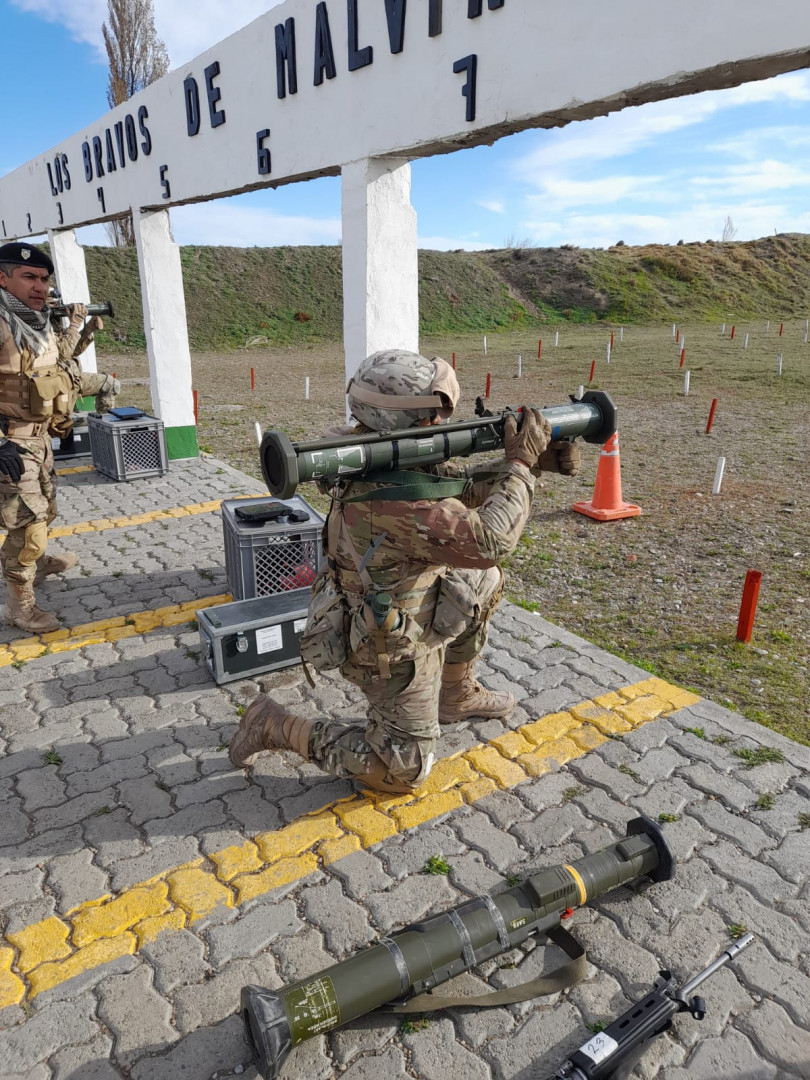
380, 264
164, 320
71, 280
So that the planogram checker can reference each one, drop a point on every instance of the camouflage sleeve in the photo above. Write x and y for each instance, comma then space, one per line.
482, 475
449, 533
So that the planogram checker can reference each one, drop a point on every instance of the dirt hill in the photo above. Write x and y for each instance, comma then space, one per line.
294, 294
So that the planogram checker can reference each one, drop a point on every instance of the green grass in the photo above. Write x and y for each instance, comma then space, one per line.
437, 864
763, 755
736, 931
669, 819
764, 801
52, 757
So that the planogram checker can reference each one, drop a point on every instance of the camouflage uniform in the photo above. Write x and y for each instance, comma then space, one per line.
438, 562
28, 506
403, 603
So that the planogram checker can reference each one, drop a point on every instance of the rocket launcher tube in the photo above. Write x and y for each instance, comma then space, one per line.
285, 464
428, 953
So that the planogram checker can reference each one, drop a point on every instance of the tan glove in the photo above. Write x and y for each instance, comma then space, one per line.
560, 456
77, 313
527, 443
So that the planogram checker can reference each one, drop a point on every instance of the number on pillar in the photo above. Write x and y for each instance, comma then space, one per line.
100, 193
262, 152
468, 64
164, 183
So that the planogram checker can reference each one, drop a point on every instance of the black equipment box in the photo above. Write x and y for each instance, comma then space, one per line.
127, 447
271, 546
77, 444
252, 637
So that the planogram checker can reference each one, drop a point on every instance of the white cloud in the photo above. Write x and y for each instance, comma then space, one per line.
631, 129
493, 205
229, 224
559, 192
754, 179
187, 29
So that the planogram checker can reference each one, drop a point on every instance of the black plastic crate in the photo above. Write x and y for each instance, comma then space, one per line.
266, 558
127, 449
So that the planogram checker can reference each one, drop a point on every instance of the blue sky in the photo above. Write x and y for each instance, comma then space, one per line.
654, 174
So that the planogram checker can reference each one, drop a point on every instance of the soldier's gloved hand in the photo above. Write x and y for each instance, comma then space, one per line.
527, 442
560, 456
77, 313
11, 464
93, 325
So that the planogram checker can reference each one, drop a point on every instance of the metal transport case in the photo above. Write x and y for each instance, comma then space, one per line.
251, 637
77, 444
270, 557
127, 449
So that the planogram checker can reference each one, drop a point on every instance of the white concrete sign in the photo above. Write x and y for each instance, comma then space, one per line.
360, 88
310, 86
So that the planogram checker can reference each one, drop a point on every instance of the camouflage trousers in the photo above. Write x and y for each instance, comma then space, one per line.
26, 509
393, 750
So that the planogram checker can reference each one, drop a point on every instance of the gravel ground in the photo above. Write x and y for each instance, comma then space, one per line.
663, 589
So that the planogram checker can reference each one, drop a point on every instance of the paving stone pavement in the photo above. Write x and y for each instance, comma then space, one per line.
143, 882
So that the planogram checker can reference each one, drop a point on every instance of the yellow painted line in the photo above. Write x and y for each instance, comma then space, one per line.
100, 524
48, 953
172, 514
106, 630
75, 469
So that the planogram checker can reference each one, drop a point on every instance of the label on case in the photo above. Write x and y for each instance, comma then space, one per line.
299, 625
268, 639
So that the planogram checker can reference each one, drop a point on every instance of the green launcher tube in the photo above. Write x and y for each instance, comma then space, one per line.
428, 953
285, 464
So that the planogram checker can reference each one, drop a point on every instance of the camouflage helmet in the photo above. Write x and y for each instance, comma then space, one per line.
418, 389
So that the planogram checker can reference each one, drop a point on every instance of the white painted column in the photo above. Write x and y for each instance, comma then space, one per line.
70, 270
164, 321
380, 270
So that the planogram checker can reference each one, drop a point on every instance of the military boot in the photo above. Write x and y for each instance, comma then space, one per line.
21, 610
266, 725
462, 697
49, 565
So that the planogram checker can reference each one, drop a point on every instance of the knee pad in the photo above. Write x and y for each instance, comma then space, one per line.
36, 541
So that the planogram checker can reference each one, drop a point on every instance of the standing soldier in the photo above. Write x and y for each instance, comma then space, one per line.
37, 391
410, 584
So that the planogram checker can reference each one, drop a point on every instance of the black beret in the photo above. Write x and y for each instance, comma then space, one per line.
25, 255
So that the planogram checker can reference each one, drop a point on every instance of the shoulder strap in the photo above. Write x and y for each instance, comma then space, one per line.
567, 974
409, 486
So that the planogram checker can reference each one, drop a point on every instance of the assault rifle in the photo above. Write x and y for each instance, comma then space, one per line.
613, 1053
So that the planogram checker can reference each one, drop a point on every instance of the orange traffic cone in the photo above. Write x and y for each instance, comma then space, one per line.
606, 504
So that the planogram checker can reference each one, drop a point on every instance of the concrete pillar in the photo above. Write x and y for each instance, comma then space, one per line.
380, 271
164, 320
71, 279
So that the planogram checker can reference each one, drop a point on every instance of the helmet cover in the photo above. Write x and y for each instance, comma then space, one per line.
404, 377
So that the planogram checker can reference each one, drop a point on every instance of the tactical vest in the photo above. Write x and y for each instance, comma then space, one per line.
32, 388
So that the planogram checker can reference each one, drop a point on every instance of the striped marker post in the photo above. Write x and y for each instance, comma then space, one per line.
593, 368
683, 357
781, 328
489, 380
252, 379
732, 333
194, 398
539, 348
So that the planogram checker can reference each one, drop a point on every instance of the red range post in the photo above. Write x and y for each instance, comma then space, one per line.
748, 607
712, 411
683, 356
454, 361
732, 333
194, 396
539, 348
489, 380
677, 335
593, 368
781, 328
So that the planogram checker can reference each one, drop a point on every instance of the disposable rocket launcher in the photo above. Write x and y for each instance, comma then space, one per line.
428, 953
285, 464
